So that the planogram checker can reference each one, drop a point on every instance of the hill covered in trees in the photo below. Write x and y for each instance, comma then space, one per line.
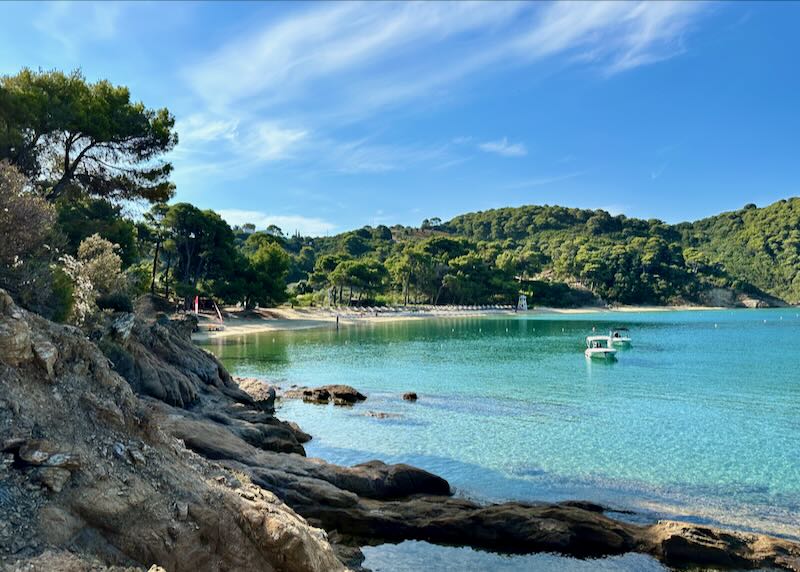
563, 256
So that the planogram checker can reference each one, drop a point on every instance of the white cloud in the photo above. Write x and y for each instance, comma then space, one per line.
617, 36
282, 58
307, 226
270, 142
504, 148
200, 128
74, 23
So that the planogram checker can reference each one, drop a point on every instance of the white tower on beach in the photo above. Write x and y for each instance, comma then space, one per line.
522, 305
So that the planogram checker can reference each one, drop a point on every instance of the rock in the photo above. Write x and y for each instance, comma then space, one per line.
137, 457
262, 393
54, 478
338, 394
40, 452
410, 396
64, 461
103, 410
122, 326
182, 511
678, 544
119, 450
382, 415
15, 334
301, 435
45, 353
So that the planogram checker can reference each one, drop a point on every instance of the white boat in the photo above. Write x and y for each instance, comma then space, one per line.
620, 336
599, 347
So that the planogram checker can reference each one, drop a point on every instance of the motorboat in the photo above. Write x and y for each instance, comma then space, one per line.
620, 336
600, 347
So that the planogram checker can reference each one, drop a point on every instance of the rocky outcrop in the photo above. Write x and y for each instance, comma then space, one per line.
88, 479
410, 396
171, 463
336, 394
729, 298
263, 394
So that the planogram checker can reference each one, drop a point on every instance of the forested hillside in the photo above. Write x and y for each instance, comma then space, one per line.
563, 256
753, 245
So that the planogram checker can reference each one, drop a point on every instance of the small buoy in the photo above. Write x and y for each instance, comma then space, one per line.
716, 326
765, 321
453, 330
506, 329
480, 330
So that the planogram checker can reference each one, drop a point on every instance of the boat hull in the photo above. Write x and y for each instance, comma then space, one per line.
600, 353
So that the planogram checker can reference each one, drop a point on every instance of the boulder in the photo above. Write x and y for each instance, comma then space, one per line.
262, 393
410, 396
45, 353
338, 394
15, 334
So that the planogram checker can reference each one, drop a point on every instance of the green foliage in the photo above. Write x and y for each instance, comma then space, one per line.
760, 247
80, 217
63, 292
117, 302
65, 133
572, 256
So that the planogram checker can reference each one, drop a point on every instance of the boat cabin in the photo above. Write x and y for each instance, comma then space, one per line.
598, 342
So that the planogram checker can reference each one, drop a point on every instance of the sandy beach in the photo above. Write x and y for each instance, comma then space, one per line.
284, 319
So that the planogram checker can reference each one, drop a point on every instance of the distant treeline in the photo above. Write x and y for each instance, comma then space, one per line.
75, 155
560, 256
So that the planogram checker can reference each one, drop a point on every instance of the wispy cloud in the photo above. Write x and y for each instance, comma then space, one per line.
504, 148
72, 24
541, 181
368, 59
307, 226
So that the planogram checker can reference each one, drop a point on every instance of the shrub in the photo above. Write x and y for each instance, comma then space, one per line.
116, 302
63, 295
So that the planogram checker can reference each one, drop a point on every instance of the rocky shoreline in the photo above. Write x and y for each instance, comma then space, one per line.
139, 449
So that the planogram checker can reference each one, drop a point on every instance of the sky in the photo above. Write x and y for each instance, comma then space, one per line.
323, 117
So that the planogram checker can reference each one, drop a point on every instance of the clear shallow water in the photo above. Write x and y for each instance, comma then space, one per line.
699, 419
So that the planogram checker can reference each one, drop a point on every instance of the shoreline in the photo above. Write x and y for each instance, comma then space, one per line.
291, 319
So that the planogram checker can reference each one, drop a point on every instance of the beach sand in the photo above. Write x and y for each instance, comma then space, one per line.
237, 323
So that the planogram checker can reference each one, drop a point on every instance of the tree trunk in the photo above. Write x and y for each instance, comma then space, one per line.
155, 267
166, 276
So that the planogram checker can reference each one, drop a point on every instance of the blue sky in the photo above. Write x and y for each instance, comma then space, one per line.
325, 117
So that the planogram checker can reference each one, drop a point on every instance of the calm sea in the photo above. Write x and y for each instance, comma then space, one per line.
698, 420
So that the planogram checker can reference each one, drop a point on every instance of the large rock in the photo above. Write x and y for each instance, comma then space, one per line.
15, 334
263, 394
338, 394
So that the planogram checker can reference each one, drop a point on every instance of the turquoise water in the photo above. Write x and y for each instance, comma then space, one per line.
698, 420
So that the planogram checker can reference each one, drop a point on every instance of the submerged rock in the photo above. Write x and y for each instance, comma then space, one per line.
410, 396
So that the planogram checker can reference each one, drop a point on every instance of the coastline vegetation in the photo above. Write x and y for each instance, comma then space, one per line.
75, 155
